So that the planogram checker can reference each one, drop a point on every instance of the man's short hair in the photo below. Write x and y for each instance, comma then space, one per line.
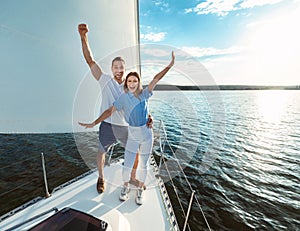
118, 59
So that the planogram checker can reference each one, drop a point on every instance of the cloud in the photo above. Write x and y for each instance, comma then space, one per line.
254, 3
224, 7
210, 51
153, 37
155, 51
163, 6
191, 52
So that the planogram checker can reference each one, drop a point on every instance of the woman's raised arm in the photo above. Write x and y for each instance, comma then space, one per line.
161, 74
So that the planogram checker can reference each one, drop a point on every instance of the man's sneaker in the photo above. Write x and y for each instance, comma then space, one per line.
139, 196
124, 193
100, 185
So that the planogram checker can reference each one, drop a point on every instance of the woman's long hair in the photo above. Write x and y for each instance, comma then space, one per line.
139, 88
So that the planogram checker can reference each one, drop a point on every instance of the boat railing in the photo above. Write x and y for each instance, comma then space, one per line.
165, 197
110, 152
45, 176
161, 138
20, 208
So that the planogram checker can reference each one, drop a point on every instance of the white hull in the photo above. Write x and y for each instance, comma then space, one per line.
83, 196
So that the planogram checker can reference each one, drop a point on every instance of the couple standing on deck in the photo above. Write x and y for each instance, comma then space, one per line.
124, 117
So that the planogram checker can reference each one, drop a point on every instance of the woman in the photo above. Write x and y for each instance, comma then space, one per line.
134, 103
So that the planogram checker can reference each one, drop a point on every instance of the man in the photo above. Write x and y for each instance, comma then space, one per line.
114, 128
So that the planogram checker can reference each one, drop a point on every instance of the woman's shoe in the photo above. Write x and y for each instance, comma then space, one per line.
139, 196
124, 193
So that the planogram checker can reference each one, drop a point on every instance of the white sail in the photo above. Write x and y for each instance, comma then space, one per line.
41, 60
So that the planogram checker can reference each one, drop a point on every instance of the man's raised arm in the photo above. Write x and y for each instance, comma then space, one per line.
87, 53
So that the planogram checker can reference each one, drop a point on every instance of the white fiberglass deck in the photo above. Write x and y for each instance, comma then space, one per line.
82, 195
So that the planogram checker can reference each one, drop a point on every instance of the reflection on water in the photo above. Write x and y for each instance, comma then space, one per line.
243, 162
272, 105
255, 173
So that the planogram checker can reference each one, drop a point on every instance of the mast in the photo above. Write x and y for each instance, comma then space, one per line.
138, 35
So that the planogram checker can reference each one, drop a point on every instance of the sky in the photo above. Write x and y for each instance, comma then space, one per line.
240, 42
42, 68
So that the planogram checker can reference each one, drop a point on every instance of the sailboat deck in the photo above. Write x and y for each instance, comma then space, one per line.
82, 195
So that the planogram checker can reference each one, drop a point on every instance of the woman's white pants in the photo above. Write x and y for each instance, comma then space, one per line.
139, 139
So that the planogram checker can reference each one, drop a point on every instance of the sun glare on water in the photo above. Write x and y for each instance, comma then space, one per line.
271, 105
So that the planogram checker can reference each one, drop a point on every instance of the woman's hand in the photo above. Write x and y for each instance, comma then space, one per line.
150, 121
90, 125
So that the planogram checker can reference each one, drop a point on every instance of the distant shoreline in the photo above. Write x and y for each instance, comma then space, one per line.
162, 87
